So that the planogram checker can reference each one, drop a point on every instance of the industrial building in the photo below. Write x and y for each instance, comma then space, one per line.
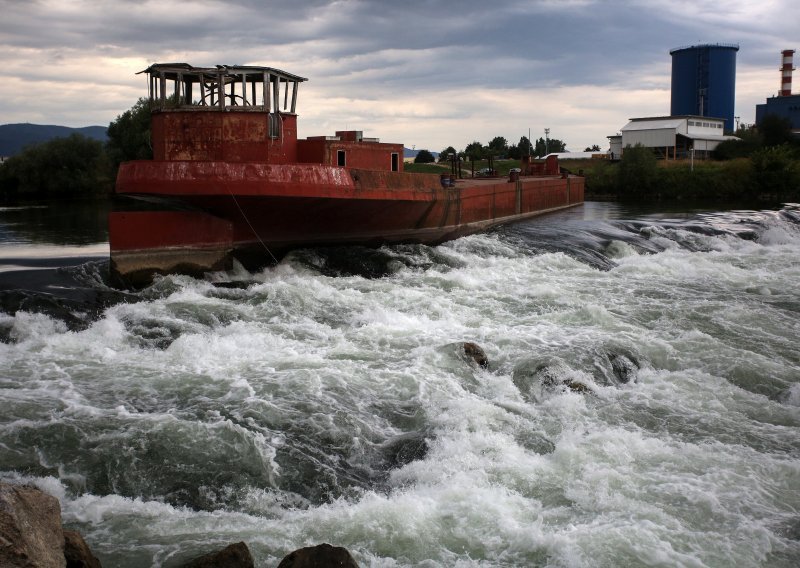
785, 105
671, 137
701, 110
704, 81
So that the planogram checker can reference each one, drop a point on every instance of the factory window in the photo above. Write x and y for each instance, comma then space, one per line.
395, 161
340, 158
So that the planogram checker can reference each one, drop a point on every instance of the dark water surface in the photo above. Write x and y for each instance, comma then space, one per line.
641, 406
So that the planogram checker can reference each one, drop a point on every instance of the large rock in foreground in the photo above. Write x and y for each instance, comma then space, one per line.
77, 552
30, 528
232, 556
320, 556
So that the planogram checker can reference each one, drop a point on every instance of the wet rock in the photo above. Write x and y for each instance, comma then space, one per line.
474, 353
577, 386
613, 364
77, 552
551, 375
6, 327
535, 442
30, 528
535, 378
406, 448
366, 262
624, 367
320, 556
232, 556
13, 301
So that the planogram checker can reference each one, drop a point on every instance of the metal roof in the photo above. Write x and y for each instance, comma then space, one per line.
172, 70
734, 46
693, 116
710, 137
652, 123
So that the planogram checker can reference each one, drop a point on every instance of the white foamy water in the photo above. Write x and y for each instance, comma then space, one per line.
310, 403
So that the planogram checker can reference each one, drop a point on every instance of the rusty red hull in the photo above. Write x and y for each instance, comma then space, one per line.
256, 212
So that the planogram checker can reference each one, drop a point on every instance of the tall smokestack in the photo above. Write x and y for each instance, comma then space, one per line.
786, 73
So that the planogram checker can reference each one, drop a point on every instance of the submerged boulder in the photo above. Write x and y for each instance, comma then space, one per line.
30, 528
624, 367
232, 556
474, 353
322, 555
577, 386
405, 448
534, 378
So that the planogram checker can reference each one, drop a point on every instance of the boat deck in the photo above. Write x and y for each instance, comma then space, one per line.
478, 182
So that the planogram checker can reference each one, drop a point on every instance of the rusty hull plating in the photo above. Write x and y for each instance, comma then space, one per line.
226, 152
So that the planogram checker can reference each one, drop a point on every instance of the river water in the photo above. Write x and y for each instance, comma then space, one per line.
641, 404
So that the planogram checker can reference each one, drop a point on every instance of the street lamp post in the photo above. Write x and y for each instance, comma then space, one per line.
546, 141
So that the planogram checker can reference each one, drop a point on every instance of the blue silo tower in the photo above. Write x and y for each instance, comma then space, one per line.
704, 81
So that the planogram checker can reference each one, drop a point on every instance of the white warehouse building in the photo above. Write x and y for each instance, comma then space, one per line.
671, 137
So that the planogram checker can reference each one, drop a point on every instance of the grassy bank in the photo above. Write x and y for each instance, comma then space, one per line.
771, 175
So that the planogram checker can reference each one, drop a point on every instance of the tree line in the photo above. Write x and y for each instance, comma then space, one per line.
78, 165
498, 147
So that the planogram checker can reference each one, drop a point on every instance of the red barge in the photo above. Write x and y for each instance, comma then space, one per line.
231, 180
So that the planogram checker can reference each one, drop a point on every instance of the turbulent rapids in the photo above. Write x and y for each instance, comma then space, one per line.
640, 406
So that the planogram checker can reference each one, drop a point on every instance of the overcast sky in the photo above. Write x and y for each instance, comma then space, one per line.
428, 74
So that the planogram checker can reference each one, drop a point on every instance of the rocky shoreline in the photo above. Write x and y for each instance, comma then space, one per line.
31, 535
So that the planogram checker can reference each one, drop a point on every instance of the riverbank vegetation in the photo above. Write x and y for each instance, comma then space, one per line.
757, 167
77, 166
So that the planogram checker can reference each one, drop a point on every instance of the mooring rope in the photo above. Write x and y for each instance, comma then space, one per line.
263, 244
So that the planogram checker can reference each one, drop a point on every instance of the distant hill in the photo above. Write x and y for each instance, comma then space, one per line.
14, 137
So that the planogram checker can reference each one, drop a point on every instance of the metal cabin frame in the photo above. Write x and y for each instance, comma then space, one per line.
240, 87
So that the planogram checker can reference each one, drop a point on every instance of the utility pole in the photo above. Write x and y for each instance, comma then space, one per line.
546, 141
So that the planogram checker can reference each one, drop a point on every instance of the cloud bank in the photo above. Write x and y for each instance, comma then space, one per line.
427, 73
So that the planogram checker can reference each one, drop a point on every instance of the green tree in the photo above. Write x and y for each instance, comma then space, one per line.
749, 140
444, 155
777, 171
516, 151
592, 148
498, 146
475, 151
129, 134
75, 166
549, 146
775, 130
637, 172
424, 157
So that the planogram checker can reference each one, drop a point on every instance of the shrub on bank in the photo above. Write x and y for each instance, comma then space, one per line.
75, 166
777, 171
770, 174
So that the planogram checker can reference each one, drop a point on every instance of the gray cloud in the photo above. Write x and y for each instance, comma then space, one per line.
363, 51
